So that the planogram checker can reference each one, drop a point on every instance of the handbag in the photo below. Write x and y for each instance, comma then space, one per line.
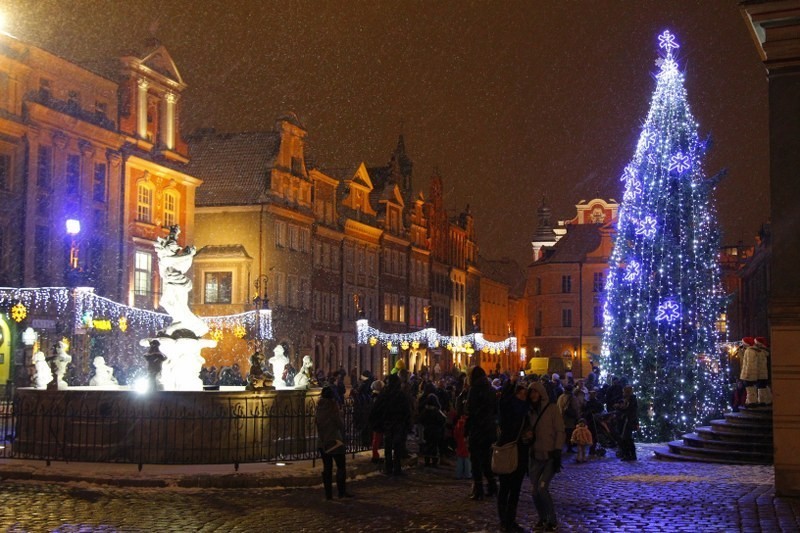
505, 457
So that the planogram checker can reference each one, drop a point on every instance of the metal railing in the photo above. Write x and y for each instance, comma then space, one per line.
169, 429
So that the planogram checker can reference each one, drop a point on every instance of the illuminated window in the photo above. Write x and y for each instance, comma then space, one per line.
142, 275
144, 203
170, 208
218, 287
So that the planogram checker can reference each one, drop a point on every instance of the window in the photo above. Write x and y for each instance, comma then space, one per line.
144, 203
45, 88
142, 274
294, 237
566, 284
291, 291
599, 281
73, 174
74, 99
280, 233
99, 184
44, 168
598, 316
5, 171
42, 204
279, 288
566, 318
170, 208
42, 251
218, 287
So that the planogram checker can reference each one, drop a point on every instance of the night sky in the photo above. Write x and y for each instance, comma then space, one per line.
509, 100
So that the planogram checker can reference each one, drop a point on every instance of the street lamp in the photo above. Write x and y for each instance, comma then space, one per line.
73, 227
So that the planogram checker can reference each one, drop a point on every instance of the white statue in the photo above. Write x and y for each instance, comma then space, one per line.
59, 360
278, 362
303, 379
103, 374
173, 263
41, 371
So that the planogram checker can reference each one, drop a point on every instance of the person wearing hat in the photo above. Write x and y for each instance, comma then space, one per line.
750, 373
545, 453
330, 431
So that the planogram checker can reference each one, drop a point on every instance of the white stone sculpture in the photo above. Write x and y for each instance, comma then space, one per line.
180, 342
173, 263
278, 362
103, 374
59, 360
41, 371
303, 379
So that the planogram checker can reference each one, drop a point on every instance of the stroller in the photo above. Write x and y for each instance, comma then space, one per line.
606, 427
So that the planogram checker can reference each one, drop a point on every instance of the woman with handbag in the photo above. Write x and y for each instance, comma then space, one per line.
514, 427
330, 431
548, 440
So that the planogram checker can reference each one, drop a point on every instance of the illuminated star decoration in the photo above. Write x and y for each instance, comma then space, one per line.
679, 162
647, 227
651, 159
632, 271
668, 311
667, 41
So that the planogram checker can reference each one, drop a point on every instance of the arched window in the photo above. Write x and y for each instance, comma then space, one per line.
144, 203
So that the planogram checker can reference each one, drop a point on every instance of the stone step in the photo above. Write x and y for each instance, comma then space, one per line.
749, 417
749, 445
665, 454
726, 433
734, 457
740, 425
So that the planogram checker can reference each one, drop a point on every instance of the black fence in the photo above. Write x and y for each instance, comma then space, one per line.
169, 429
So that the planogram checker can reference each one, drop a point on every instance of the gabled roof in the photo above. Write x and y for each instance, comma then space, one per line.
574, 246
234, 167
158, 59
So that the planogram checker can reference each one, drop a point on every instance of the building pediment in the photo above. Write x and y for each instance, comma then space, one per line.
160, 61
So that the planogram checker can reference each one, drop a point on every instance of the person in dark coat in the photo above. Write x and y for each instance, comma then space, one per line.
433, 421
513, 412
629, 419
392, 413
330, 430
481, 431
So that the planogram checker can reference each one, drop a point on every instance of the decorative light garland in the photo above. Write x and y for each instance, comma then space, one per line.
91, 309
366, 334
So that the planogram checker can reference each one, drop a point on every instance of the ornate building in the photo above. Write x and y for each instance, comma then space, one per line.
565, 287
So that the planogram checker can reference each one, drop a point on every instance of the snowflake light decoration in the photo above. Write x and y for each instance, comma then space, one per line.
19, 312
668, 311
628, 174
679, 163
632, 271
667, 41
646, 227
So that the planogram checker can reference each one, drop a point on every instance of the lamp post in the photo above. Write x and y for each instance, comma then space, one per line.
73, 229
261, 303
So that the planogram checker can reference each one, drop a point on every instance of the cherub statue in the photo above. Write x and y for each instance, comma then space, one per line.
258, 379
58, 366
305, 377
103, 374
278, 362
42, 375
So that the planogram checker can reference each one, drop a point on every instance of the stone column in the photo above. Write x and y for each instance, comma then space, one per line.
775, 28
168, 120
141, 109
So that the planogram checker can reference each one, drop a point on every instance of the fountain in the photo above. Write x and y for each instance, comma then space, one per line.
171, 420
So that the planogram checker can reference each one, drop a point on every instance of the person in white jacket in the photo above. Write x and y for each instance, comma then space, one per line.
549, 437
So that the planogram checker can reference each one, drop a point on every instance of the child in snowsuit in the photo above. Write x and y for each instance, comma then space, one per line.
582, 438
463, 467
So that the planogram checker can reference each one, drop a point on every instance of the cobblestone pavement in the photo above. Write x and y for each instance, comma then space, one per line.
601, 495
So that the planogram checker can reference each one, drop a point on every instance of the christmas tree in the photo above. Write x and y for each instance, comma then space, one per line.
663, 291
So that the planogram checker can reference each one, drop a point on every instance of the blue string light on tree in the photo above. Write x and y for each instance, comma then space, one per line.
663, 293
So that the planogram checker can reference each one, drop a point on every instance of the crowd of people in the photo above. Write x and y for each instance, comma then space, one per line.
458, 419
